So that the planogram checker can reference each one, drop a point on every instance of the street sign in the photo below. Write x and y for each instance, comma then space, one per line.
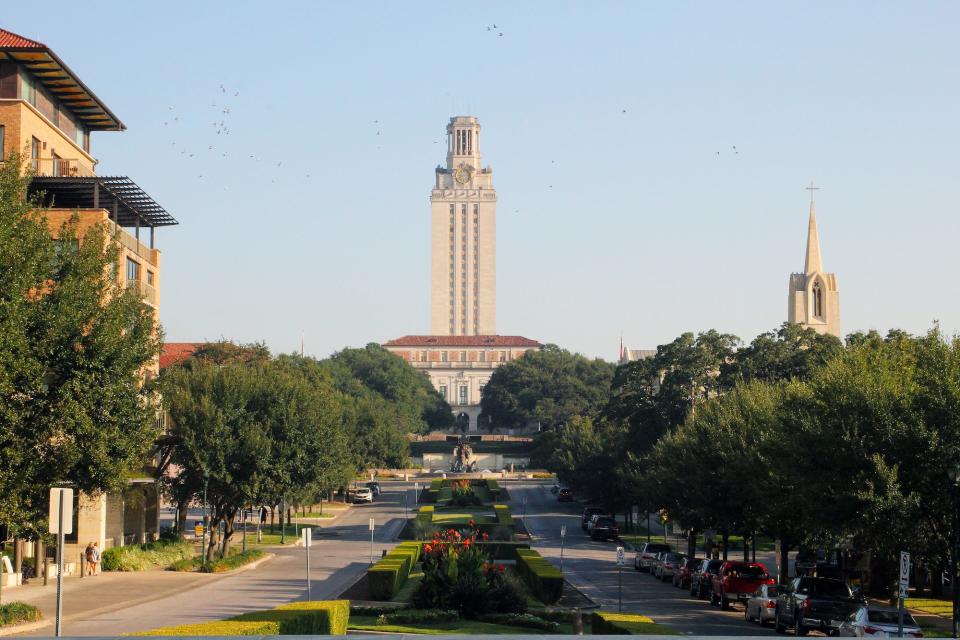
904, 569
371, 524
563, 531
903, 590
619, 556
55, 515
198, 530
307, 534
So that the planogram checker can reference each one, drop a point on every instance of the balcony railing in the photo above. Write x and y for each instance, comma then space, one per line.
148, 291
60, 168
135, 245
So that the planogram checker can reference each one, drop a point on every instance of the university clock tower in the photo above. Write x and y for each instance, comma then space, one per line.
464, 228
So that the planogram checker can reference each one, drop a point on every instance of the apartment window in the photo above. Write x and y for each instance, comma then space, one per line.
423, 356
35, 153
503, 356
133, 270
443, 356
464, 394
26, 89
483, 356
149, 277
481, 389
443, 391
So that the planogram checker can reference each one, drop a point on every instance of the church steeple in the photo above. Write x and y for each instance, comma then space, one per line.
814, 298
813, 263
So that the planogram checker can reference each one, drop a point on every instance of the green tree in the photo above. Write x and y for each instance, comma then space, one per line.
792, 352
548, 386
73, 348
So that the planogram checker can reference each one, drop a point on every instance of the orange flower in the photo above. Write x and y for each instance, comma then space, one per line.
466, 543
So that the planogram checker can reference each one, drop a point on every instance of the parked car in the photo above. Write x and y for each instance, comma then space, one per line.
681, 577
815, 603
877, 621
375, 487
588, 514
655, 563
736, 582
565, 495
668, 564
604, 528
701, 581
762, 605
360, 494
645, 556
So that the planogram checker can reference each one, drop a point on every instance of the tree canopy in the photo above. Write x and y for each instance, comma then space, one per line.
73, 348
548, 386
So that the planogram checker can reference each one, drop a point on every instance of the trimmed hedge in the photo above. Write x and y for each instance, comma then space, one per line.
608, 623
544, 579
140, 557
217, 628
504, 517
494, 488
388, 576
314, 617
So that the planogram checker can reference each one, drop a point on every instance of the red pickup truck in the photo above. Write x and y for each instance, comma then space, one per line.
736, 582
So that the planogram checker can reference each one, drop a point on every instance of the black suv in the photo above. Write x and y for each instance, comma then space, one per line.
588, 513
604, 528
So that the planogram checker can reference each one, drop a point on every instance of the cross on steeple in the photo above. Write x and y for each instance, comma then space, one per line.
811, 189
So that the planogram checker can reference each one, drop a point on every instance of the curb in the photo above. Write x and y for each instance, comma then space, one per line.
24, 628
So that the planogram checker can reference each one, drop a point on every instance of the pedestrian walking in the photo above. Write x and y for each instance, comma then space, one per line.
88, 557
96, 559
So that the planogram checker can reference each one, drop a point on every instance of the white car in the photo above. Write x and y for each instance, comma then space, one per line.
762, 605
361, 494
878, 622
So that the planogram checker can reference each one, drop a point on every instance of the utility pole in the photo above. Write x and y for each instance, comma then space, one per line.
203, 539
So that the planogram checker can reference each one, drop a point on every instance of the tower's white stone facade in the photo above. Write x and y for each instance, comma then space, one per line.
464, 229
814, 298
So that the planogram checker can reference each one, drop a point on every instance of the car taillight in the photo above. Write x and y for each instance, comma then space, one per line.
771, 604
806, 605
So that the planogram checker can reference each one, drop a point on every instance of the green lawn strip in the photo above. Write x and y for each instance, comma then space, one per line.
291, 535
459, 517
930, 605
734, 543
14, 613
611, 623
317, 514
934, 632
369, 623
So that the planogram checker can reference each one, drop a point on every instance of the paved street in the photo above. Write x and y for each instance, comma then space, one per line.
591, 567
117, 603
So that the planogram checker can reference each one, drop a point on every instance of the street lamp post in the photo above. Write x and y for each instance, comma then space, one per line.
955, 560
283, 520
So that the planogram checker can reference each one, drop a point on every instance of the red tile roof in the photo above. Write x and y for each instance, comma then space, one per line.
463, 341
176, 352
10, 39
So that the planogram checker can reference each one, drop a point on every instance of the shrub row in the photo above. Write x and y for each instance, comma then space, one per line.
231, 562
316, 617
504, 517
494, 488
17, 613
141, 557
389, 575
544, 579
524, 620
608, 623
425, 514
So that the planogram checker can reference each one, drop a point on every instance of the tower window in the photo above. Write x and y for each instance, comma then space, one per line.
817, 301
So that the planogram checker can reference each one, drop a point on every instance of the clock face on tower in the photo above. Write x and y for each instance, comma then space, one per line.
462, 174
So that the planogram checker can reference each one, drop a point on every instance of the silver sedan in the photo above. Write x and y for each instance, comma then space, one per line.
762, 605
880, 622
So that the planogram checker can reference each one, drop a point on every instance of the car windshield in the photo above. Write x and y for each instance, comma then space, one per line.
606, 522
888, 616
714, 565
772, 592
656, 548
673, 557
824, 588
692, 562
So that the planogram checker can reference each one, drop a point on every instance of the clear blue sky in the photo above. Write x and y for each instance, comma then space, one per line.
645, 229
